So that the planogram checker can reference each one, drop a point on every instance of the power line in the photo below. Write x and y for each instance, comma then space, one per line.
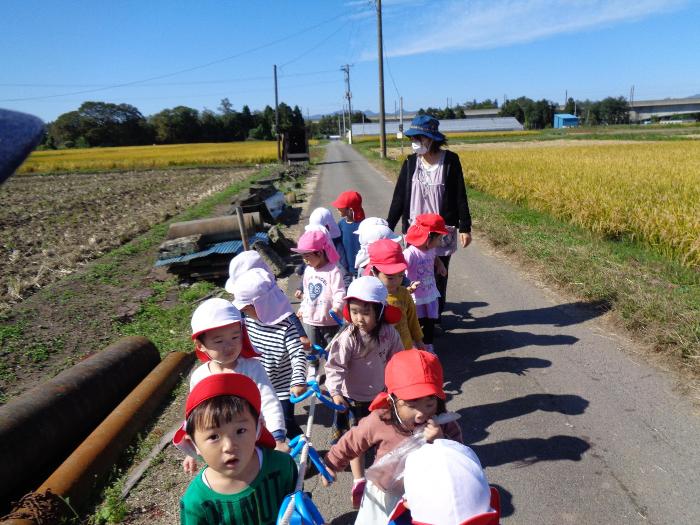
317, 45
187, 70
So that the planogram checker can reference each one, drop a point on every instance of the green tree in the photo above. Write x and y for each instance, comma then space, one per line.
177, 125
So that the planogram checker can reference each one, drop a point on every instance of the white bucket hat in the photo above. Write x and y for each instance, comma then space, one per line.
371, 230
324, 217
370, 289
241, 263
215, 313
445, 483
258, 288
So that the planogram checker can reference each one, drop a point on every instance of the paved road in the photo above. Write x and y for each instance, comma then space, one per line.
570, 426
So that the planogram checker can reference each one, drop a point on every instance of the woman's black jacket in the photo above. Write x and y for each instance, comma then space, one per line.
454, 207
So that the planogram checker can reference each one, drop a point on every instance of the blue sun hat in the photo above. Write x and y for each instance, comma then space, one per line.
427, 126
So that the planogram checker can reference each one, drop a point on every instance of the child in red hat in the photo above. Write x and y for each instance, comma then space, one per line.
356, 360
424, 237
349, 205
413, 396
244, 480
387, 263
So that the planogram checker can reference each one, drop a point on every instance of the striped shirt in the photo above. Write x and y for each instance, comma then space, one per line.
282, 353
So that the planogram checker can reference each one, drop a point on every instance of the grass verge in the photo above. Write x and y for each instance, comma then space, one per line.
656, 299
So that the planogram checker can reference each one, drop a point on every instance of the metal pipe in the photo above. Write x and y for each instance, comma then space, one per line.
79, 475
39, 428
216, 229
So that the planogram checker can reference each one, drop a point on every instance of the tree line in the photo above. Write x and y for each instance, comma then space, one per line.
101, 124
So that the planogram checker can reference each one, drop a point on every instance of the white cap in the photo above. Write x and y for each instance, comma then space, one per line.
367, 288
445, 484
369, 223
214, 313
258, 288
324, 217
371, 230
241, 263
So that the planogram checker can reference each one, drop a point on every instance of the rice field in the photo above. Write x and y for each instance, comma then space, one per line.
140, 157
646, 191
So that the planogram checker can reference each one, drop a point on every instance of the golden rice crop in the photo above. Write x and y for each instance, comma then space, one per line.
135, 157
648, 191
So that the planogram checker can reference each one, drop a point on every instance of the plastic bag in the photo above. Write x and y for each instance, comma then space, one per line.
387, 472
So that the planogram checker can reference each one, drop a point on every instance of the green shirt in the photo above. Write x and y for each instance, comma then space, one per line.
258, 504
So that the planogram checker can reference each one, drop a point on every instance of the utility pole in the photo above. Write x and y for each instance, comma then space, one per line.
401, 122
277, 117
380, 50
348, 95
344, 128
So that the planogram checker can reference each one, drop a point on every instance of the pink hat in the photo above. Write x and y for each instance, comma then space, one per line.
445, 484
316, 241
215, 313
324, 217
258, 288
371, 290
241, 263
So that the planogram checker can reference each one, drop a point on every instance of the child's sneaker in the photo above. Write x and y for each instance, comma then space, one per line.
358, 489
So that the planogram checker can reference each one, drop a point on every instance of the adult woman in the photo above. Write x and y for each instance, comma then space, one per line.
431, 181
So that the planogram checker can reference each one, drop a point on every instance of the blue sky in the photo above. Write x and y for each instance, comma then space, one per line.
157, 54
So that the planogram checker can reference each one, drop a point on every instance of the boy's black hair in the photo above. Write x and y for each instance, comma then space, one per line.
374, 333
394, 420
217, 411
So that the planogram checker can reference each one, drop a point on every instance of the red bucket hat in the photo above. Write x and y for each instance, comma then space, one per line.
411, 374
352, 200
226, 384
387, 256
423, 226
215, 313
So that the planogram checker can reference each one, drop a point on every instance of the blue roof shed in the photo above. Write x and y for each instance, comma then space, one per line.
565, 120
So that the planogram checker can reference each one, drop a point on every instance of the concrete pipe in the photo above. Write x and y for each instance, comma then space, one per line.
216, 229
81, 473
40, 428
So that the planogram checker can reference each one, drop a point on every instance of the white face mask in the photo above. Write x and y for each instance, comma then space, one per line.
419, 148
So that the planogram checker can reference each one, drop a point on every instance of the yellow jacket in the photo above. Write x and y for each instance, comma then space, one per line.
408, 327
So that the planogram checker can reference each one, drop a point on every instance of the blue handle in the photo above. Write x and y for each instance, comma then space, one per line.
305, 512
335, 317
297, 399
319, 465
320, 351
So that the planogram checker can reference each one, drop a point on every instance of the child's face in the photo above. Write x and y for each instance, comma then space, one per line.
314, 259
362, 315
229, 448
416, 412
344, 212
434, 241
391, 281
222, 344
249, 311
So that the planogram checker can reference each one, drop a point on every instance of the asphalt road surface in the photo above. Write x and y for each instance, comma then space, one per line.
569, 425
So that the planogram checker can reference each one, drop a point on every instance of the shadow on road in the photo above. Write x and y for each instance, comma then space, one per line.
506, 498
346, 519
332, 162
559, 315
524, 452
477, 419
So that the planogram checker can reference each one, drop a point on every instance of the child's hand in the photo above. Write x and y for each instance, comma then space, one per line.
432, 431
306, 343
281, 446
298, 294
298, 390
440, 266
325, 482
189, 465
413, 286
300, 315
340, 400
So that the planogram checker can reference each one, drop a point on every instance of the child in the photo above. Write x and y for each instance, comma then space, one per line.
371, 230
244, 480
414, 395
323, 287
323, 217
445, 484
388, 264
423, 237
248, 260
349, 205
222, 344
357, 357
268, 321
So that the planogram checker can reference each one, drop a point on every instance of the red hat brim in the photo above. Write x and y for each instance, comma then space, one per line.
389, 268
416, 236
265, 440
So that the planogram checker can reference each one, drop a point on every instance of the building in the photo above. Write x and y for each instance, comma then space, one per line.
565, 120
641, 110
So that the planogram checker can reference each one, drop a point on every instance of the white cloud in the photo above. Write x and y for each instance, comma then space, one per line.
480, 24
